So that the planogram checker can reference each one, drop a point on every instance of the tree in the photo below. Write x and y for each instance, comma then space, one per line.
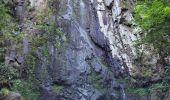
153, 17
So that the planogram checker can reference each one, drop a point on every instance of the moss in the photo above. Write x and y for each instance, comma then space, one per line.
8, 72
45, 51
138, 91
38, 41
56, 45
155, 88
123, 80
96, 81
28, 88
4, 92
57, 88
159, 87
30, 62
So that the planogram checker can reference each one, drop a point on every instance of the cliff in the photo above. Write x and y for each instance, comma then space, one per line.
80, 49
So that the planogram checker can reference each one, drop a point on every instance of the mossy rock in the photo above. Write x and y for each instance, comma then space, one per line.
4, 92
96, 80
57, 88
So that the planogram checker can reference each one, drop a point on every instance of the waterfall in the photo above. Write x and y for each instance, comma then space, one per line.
69, 11
82, 12
124, 97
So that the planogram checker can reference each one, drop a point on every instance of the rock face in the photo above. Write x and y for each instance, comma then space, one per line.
94, 48
93, 33
83, 49
115, 22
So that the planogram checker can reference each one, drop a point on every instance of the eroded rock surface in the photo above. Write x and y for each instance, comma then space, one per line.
87, 45
95, 48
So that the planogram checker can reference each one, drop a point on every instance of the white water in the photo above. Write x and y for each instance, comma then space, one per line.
82, 12
69, 11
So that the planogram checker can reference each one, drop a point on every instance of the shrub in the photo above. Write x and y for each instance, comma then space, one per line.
28, 89
96, 81
153, 17
57, 88
4, 92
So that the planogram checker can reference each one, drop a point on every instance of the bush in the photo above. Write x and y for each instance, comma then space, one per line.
28, 89
96, 80
57, 88
4, 92
153, 17
8, 73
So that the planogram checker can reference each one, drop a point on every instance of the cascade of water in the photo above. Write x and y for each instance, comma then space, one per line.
69, 11
82, 12
124, 97
20, 10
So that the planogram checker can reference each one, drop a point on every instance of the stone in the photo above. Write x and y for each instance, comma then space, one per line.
97, 38
13, 96
108, 2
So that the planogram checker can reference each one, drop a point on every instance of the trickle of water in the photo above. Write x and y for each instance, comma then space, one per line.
69, 11
123, 93
82, 12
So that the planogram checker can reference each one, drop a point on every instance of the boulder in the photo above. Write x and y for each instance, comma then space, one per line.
108, 2
13, 96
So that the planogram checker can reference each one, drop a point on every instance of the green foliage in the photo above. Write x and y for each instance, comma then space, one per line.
45, 51
49, 33
7, 72
96, 81
4, 16
153, 17
159, 87
4, 92
151, 14
28, 89
123, 80
57, 88
138, 91
10, 31
153, 20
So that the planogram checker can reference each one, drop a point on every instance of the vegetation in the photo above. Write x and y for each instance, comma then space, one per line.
28, 88
4, 92
57, 88
153, 18
96, 80
22, 79
10, 75
157, 87
4, 16
154, 88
